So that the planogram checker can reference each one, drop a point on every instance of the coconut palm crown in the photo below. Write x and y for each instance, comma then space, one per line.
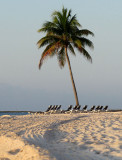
63, 34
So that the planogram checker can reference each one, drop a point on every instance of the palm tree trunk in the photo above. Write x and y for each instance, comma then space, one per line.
72, 79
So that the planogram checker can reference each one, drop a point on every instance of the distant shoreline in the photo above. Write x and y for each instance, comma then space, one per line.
111, 110
13, 111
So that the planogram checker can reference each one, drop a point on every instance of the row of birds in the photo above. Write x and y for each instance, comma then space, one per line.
70, 109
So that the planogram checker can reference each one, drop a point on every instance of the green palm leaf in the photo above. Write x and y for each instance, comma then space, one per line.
61, 57
71, 49
84, 32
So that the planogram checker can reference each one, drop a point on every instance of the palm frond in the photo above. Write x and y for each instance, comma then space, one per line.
74, 21
69, 14
83, 51
50, 49
77, 41
49, 27
86, 54
55, 20
86, 42
84, 32
44, 41
71, 49
64, 12
61, 57
47, 40
57, 14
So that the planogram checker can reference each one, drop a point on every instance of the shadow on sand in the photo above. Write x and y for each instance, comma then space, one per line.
61, 150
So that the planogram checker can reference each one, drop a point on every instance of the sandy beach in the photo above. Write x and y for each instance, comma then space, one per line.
80, 136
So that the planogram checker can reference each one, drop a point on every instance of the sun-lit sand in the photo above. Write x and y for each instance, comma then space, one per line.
82, 136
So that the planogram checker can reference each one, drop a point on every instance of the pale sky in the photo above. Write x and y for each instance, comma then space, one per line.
24, 87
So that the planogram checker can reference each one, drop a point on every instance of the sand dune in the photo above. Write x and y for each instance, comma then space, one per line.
86, 136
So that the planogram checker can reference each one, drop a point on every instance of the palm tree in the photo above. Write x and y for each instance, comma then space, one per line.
63, 33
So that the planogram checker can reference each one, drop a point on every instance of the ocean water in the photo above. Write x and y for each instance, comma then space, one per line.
13, 113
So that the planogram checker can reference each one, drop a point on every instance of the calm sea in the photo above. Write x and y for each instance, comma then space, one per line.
13, 113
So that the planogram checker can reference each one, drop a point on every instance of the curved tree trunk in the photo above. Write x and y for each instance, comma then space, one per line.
72, 79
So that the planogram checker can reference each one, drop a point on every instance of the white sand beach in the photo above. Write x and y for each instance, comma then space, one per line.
81, 136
